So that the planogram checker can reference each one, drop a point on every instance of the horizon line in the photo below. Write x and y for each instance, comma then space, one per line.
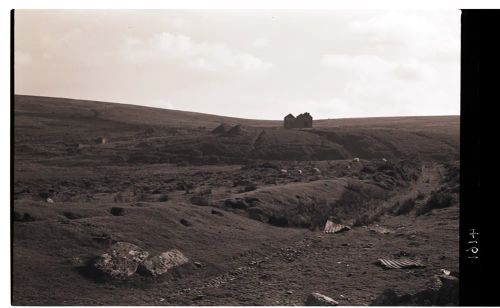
226, 116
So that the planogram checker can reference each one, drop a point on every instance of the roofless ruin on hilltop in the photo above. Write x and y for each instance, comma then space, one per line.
303, 120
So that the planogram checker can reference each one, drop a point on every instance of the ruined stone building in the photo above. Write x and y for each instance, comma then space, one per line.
303, 120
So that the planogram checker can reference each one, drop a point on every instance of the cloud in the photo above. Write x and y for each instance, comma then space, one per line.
260, 42
379, 68
198, 55
374, 86
178, 22
426, 35
342, 64
362, 64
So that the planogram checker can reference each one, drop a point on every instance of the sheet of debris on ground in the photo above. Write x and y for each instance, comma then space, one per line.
110, 209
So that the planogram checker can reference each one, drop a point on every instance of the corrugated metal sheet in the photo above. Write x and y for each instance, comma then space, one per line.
331, 227
399, 263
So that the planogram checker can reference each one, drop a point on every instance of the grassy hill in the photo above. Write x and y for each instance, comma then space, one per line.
145, 134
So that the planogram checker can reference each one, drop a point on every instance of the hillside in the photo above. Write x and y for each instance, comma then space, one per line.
244, 201
150, 135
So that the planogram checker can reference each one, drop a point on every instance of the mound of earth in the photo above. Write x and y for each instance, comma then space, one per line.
309, 205
344, 200
294, 205
221, 129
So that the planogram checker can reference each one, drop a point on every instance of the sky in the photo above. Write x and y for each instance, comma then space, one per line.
259, 64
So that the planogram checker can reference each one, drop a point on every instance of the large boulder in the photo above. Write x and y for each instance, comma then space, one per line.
121, 260
441, 291
159, 265
387, 298
318, 299
448, 293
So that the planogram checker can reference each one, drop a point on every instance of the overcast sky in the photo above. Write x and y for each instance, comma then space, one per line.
249, 64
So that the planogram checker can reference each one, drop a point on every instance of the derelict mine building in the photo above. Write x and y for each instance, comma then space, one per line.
303, 120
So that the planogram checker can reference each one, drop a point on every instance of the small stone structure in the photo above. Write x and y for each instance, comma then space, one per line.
303, 120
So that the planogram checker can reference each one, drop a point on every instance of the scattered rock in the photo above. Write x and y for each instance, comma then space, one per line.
159, 265
197, 264
205, 191
236, 203
402, 254
445, 272
184, 186
121, 260
318, 299
249, 187
380, 229
252, 200
214, 212
163, 198
117, 211
185, 222
16, 216
76, 261
201, 200
44, 195
269, 165
49, 200
72, 215
63, 220
101, 140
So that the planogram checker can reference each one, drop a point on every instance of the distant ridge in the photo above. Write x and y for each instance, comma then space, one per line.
159, 116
